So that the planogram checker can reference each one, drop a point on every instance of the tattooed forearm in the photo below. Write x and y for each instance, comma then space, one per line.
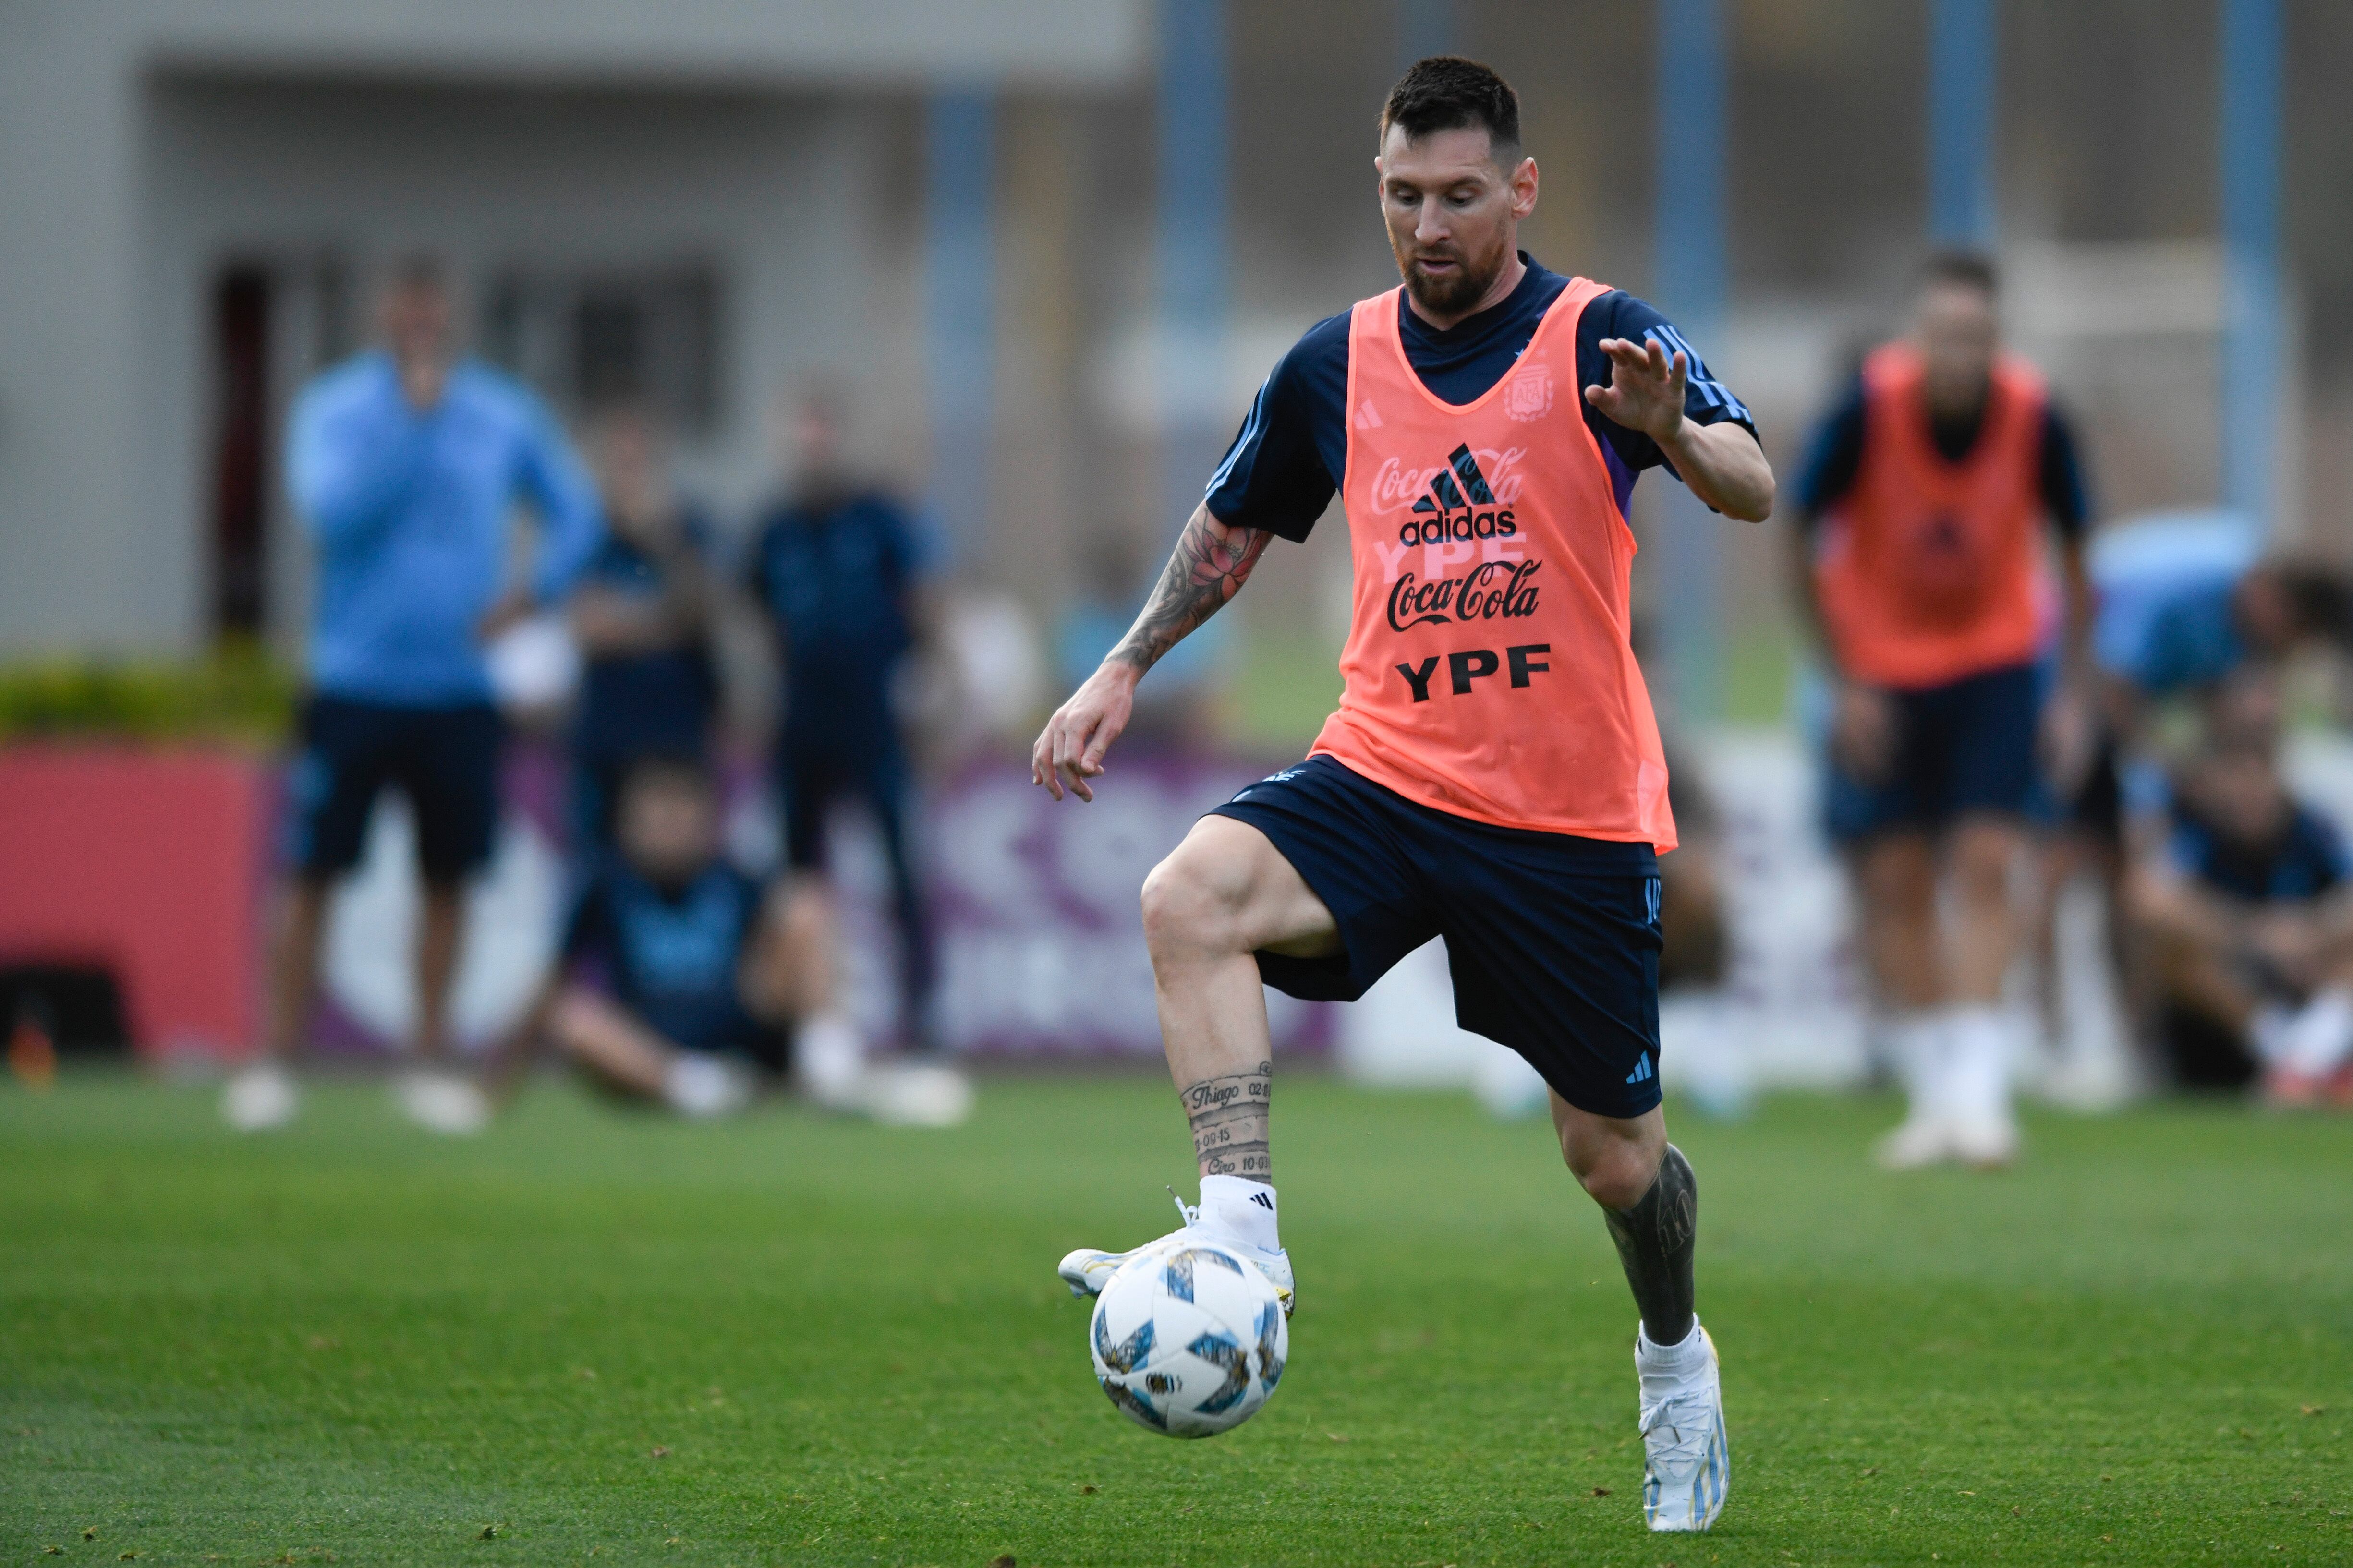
1229, 1122
1210, 563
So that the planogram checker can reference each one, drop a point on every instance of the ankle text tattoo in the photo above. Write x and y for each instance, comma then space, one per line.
1230, 1123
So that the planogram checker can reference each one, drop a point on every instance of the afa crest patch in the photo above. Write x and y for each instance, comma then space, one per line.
1528, 394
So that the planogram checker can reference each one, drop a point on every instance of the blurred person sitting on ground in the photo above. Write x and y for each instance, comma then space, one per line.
702, 974
1921, 519
838, 568
2247, 911
643, 618
403, 464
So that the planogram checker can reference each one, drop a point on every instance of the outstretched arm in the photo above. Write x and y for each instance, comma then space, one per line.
1211, 562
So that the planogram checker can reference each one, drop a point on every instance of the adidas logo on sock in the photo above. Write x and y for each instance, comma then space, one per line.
1263, 1201
1642, 1071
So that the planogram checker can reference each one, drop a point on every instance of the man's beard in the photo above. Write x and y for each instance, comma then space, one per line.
1453, 295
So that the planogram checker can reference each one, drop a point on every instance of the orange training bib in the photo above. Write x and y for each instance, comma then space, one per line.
1930, 571
1488, 671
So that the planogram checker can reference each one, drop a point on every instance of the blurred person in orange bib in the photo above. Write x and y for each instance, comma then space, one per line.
1923, 521
403, 463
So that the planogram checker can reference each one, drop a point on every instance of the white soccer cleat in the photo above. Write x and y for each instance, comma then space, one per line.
1922, 1141
917, 1094
1686, 1460
1086, 1272
261, 1098
701, 1087
445, 1102
1985, 1142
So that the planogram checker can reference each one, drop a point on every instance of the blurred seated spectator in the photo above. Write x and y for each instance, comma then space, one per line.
702, 974
2244, 910
642, 618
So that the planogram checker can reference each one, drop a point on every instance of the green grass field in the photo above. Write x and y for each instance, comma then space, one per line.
597, 1337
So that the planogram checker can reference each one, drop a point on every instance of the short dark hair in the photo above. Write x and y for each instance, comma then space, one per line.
1447, 92
420, 270
649, 770
1957, 268
2319, 599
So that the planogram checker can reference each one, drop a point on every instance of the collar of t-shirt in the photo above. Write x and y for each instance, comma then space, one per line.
1461, 362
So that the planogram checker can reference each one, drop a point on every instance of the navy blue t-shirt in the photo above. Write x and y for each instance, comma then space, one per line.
671, 954
836, 576
659, 700
1283, 468
2302, 862
1836, 457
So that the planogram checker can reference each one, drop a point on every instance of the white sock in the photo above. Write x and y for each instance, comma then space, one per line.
828, 1056
1919, 1043
1669, 1364
1979, 1038
2271, 1032
2322, 1033
1242, 1207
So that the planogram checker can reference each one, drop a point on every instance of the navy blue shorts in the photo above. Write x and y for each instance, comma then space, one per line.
1553, 940
445, 760
1965, 747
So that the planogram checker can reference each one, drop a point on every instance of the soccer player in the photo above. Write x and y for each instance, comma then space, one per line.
403, 464
1493, 773
1921, 529
2244, 910
702, 971
837, 569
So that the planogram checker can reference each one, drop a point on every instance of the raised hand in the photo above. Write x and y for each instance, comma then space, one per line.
1646, 387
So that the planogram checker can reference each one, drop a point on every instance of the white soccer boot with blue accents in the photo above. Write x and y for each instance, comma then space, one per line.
1686, 1462
1086, 1272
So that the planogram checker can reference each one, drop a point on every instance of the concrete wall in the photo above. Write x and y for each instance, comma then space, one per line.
150, 143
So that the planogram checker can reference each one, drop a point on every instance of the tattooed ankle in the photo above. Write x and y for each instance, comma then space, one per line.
1228, 1115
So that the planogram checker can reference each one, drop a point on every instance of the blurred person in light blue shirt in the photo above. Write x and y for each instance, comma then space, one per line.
404, 464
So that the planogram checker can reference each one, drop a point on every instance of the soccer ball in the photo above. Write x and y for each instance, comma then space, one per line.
1189, 1340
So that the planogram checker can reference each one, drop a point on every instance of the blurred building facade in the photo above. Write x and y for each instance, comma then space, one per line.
707, 203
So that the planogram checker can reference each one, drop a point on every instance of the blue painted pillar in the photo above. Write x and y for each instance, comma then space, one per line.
960, 309
1425, 27
2251, 360
1961, 50
1195, 246
1690, 287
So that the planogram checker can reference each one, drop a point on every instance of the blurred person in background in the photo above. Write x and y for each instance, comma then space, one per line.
643, 617
2183, 602
1921, 518
839, 569
679, 977
403, 463
2243, 906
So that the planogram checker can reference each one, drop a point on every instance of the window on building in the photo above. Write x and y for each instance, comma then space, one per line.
588, 340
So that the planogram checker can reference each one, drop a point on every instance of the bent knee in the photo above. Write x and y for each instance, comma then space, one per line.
1984, 855
1617, 1174
1191, 904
